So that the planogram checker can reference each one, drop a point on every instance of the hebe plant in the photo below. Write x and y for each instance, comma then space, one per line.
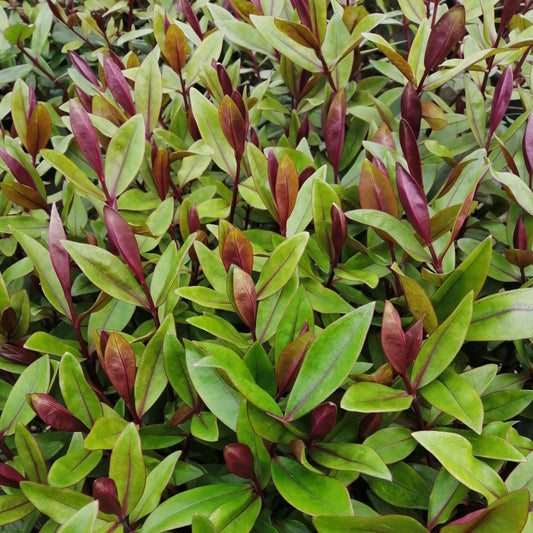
265, 266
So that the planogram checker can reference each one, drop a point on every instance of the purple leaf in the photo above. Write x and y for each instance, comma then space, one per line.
520, 234
58, 254
414, 202
272, 171
118, 85
105, 492
393, 338
121, 235
223, 78
85, 136
83, 68
302, 8
54, 414
339, 229
32, 101
119, 365
501, 99
510, 8
410, 150
191, 17
323, 420
335, 128
9, 477
84, 99
239, 460
411, 108
527, 144
448, 31
18, 170
413, 339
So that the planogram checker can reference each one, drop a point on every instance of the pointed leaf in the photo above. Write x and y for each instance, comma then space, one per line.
335, 128
375, 190
30, 455
9, 477
26, 197
54, 414
39, 130
175, 47
290, 361
236, 249
298, 32
501, 98
329, 361
393, 338
244, 296
83, 68
381, 524
410, 151
120, 365
73, 467
58, 254
82, 521
286, 189
527, 144
117, 84
148, 92
18, 170
370, 397
232, 125
411, 108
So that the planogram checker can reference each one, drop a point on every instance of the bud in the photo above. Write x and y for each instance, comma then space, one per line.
9, 477
323, 420
105, 492
239, 460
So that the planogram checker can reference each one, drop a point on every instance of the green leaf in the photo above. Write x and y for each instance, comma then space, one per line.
502, 316
73, 467
179, 510
156, 482
40, 257
104, 433
505, 404
79, 398
82, 521
522, 476
392, 443
307, 491
205, 297
491, 446
204, 426
43, 342
518, 188
125, 155
368, 397
382, 524
407, 488
176, 369
469, 276
126, 468
35, 378
351, 457
221, 399
453, 394
393, 228
455, 454
107, 272
206, 115
446, 494
30, 455
509, 514
329, 361
14, 507
219, 328
74, 175
237, 515
148, 92
151, 378
323, 197
281, 264
440, 349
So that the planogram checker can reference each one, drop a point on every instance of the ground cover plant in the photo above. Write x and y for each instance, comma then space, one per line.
266, 266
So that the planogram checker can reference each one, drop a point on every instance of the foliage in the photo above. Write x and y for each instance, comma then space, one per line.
266, 266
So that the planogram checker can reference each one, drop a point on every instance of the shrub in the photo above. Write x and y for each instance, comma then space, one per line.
265, 265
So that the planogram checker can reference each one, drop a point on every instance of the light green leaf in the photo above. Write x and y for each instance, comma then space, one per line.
204, 426
329, 361
206, 297
73, 467
391, 443
107, 272
369, 397
30, 455
446, 494
220, 328
14, 507
382, 524
104, 433
82, 521
521, 476
518, 187
455, 454
148, 92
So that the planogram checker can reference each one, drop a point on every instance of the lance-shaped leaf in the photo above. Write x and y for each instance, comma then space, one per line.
73, 467
335, 128
411, 108
527, 144
323, 419
85, 136
119, 364
410, 151
39, 130
161, 169
26, 197
370, 397
241, 292
339, 229
125, 154
455, 454
286, 189
510, 8
414, 202
175, 47
239, 460
501, 99
54, 414
299, 33
273, 166
448, 31
30, 455
127, 469
107, 272
58, 254
18, 170
9, 477
105, 493
121, 235
376, 191
232, 125
83, 68
117, 84
379, 524
393, 338
223, 77
329, 361
290, 361
236, 249
148, 92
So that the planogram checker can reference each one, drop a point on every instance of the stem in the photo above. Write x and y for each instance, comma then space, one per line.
434, 19
490, 62
326, 70
152, 306
235, 189
5, 450
435, 261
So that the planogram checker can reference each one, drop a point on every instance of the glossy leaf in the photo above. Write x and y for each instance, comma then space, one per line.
335, 128
39, 130
501, 99
117, 84
73, 467
410, 151
290, 361
236, 249
411, 108
446, 494
148, 93
368, 397
375, 190
321, 375
286, 189
232, 125
52, 413
392, 443
120, 365
175, 47
243, 295
381, 524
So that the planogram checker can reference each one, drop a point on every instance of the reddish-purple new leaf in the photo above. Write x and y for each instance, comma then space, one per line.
39, 130
54, 414
290, 361
410, 150
339, 230
121, 235
413, 339
520, 234
411, 108
501, 99
32, 102
84, 69
119, 365
237, 250
323, 420
191, 17
306, 173
223, 78
18, 170
244, 296
375, 189
239, 460
105, 492
161, 169
272, 171
286, 190
444, 36
232, 124
84, 99
58, 254
117, 84
414, 202
175, 47
335, 128
18, 354
393, 338
85, 136
510, 8
193, 220
9, 477
384, 137
302, 8
527, 144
